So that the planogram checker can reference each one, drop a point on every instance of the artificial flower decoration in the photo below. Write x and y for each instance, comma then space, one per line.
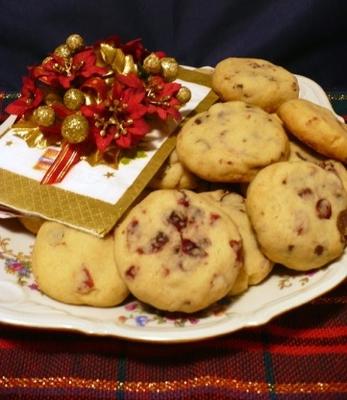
60, 71
160, 98
101, 97
31, 96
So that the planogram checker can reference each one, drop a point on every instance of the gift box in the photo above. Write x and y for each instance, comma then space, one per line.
92, 126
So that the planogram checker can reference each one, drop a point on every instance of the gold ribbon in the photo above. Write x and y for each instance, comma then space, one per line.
117, 60
32, 134
109, 157
88, 214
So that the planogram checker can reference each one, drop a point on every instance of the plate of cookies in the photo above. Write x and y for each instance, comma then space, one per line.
246, 220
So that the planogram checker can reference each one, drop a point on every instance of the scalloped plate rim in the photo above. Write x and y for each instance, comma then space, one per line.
335, 273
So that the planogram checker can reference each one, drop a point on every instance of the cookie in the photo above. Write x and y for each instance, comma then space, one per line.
298, 212
316, 126
178, 252
256, 266
254, 81
241, 283
231, 142
76, 268
173, 175
31, 223
336, 168
300, 152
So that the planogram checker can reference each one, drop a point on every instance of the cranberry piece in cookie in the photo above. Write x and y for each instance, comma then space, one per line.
256, 267
301, 224
184, 245
77, 268
233, 143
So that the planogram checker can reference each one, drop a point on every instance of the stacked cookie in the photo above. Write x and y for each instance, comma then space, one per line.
296, 209
254, 81
178, 251
231, 142
278, 164
77, 268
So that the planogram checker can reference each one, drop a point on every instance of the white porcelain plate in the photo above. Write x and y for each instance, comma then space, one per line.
22, 304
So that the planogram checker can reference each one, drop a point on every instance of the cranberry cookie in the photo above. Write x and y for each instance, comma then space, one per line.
316, 126
173, 175
300, 152
31, 223
76, 268
256, 266
298, 212
254, 81
231, 142
178, 252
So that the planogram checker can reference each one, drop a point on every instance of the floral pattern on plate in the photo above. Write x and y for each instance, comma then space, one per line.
17, 264
142, 314
281, 292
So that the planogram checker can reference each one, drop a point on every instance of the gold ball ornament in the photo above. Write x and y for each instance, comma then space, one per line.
75, 42
44, 116
151, 64
183, 95
169, 68
52, 98
63, 51
75, 128
74, 99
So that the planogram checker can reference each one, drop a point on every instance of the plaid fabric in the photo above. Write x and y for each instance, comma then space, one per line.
299, 355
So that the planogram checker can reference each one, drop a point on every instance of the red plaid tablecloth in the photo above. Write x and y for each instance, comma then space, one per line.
299, 355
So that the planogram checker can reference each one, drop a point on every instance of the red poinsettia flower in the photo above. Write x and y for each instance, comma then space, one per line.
120, 118
61, 111
85, 64
97, 86
137, 129
60, 72
135, 48
129, 92
161, 98
131, 80
129, 97
31, 97
98, 115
